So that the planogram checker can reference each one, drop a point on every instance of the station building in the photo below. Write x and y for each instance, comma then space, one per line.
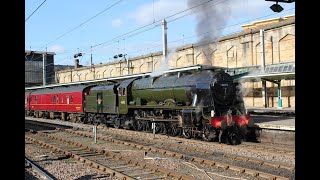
35, 61
238, 52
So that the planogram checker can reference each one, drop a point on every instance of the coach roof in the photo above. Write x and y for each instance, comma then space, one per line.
78, 88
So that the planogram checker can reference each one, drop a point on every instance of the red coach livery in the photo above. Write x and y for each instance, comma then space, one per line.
69, 100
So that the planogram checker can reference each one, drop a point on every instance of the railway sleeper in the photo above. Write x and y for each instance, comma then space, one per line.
159, 177
237, 169
136, 175
123, 166
130, 169
273, 177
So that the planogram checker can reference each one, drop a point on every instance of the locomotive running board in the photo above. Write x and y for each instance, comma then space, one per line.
157, 119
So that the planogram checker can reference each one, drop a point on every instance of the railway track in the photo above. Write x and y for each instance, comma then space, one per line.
193, 154
164, 145
41, 172
176, 149
244, 146
273, 151
58, 164
288, 152
110, 163
208, 162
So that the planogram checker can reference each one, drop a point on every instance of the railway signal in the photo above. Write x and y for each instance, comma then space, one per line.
276, 7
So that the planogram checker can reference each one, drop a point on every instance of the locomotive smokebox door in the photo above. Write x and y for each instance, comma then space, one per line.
99, 103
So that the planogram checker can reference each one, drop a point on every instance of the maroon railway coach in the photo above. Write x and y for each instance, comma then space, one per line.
58, 101
27, 101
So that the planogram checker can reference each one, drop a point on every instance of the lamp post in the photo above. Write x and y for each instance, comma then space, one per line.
44, 59
124, 56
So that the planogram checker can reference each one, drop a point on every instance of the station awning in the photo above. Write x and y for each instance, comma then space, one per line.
268, 77
272, 72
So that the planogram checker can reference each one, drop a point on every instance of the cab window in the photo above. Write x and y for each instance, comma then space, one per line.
123, 91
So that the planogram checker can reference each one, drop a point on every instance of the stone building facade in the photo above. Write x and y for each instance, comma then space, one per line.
236, 50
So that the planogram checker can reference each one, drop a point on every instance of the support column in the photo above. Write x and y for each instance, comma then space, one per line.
263, 63
279, 95
262, 50
264, 93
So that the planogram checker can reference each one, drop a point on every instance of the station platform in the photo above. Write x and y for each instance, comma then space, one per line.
273, 118
275, 125
271, 111
274, 122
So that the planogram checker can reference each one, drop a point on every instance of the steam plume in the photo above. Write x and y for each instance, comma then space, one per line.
210, 17
164, 65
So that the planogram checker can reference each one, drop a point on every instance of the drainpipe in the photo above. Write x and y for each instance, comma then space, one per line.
271, 40
192, 55
197, 58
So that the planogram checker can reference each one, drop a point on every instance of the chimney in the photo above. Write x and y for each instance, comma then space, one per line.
76, 60
76, 63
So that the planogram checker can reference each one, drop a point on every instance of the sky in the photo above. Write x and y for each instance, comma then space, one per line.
104, 28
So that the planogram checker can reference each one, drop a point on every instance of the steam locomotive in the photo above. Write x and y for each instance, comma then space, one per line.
204, 103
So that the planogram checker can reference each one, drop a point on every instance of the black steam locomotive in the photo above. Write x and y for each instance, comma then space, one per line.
204, 103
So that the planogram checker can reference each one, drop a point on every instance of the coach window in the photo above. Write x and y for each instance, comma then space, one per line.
35, 100
71, 99
68, 100
57, 99
62, 99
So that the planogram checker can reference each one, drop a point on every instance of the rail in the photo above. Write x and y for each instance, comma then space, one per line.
38, 169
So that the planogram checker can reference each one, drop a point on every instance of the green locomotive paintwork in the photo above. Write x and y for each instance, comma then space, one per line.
108, 104
123, 106
124, 93
91, 104
152, 91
